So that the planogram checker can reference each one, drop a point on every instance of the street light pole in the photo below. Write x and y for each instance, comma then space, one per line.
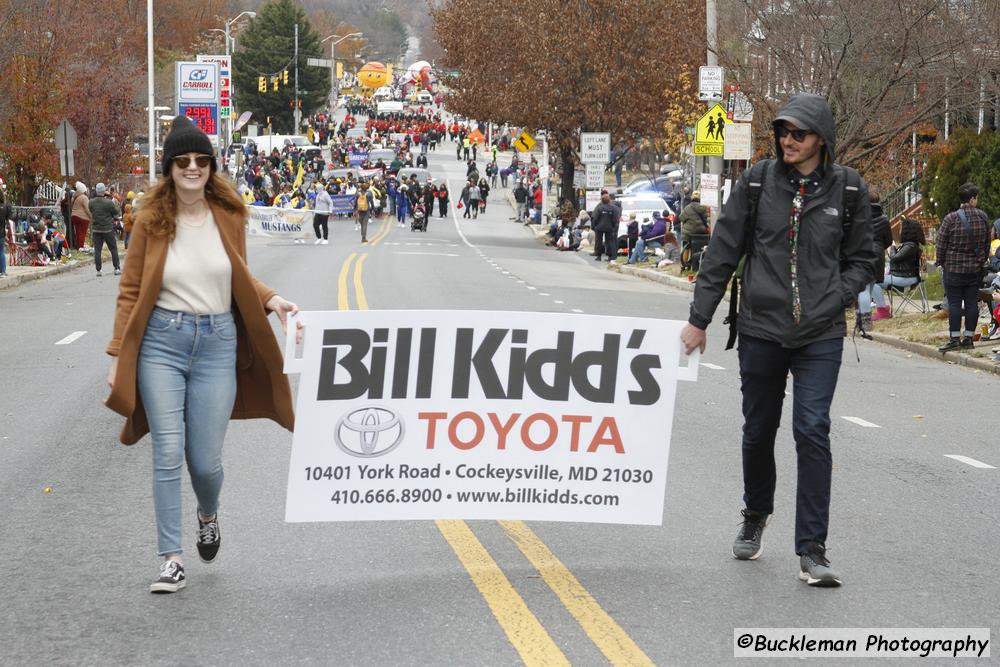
232, 88
334, 84
229, 119
295, 112
149, 86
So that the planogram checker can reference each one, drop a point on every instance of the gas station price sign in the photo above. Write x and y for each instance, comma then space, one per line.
205, 116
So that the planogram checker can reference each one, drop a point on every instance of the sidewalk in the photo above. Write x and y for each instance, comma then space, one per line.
928, 351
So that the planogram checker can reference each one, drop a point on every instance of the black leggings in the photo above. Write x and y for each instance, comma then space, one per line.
962, 291
320, 222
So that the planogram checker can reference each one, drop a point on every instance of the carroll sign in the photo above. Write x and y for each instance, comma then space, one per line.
484, 415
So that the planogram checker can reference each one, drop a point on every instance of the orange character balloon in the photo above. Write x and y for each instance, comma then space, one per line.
373, 75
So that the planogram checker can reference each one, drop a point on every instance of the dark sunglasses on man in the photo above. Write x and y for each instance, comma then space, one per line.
798, 135
183, 161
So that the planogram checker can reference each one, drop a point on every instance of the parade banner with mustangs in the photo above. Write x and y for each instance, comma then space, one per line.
284, 223
482, 415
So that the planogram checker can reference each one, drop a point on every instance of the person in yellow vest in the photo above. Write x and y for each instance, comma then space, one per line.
363, 204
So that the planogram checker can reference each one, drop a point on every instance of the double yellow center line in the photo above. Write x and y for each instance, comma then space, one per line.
359, 291
525, 632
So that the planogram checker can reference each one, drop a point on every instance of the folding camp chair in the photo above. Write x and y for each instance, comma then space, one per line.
915, 296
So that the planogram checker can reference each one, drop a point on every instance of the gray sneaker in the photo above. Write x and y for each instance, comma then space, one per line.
814, 568
748, 541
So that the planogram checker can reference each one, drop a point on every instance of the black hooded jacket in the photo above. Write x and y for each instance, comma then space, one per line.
827, 285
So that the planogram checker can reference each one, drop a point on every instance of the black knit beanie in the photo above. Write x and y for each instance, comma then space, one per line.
185, 137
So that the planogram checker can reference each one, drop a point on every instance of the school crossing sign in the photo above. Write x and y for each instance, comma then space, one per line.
710, 132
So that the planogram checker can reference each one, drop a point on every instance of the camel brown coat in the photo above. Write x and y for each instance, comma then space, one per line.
262, 389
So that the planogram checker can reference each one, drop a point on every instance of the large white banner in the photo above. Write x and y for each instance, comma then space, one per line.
287, 223
482, 415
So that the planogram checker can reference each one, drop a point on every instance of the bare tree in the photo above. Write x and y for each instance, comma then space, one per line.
887, 66
567, 66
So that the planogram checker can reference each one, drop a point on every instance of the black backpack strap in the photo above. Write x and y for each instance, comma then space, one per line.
755, 183
852, 194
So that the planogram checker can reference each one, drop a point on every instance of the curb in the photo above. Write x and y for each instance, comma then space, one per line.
11, 282
931, 352
654, 276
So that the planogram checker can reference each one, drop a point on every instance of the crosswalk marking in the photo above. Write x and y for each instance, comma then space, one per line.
76, 335
712, 366
972, 462
861, 422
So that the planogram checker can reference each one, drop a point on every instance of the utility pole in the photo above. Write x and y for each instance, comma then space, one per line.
295, 113
711, 30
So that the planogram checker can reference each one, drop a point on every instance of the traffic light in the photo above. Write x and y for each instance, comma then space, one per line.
275, 80
284, 77
261, 84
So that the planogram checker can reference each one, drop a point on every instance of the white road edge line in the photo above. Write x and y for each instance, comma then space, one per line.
76, 335
972, 462
861, 422
712, 366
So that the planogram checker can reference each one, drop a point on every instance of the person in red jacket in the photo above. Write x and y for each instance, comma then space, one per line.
538, 197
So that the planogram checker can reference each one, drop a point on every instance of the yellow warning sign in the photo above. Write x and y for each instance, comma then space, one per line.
710, 132
525, 142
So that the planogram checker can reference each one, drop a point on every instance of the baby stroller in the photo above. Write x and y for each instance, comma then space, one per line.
419, 219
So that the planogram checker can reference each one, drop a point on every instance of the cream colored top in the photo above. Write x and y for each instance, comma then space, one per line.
197, 276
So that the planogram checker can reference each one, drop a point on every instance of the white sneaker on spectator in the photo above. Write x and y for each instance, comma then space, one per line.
317, 241
325, 242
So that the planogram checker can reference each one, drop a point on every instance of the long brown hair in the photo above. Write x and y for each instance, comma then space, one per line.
158, 207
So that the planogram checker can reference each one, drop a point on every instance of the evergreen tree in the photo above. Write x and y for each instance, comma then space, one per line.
967, 157
267, 49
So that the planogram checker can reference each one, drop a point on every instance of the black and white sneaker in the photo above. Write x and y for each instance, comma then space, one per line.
209, 539
815, 569
171, 578
747, 545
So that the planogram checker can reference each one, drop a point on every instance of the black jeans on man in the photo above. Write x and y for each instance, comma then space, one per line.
605, 243
962, 292
109, 238
321, 223
764, 369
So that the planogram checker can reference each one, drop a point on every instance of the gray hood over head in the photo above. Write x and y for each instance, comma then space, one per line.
807, 111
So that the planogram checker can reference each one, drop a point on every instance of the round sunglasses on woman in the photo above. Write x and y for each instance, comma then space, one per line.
192, 346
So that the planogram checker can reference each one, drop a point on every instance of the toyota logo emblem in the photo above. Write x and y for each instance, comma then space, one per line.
369, 432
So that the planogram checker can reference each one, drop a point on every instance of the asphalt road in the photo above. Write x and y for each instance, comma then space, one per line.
913, 531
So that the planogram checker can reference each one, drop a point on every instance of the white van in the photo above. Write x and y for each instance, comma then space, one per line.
383, 93
389, 107
268, 142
